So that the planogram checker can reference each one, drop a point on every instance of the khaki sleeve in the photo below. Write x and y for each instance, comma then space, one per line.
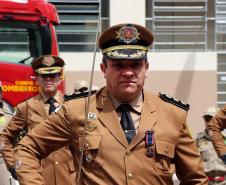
187, 160
216, 125
45, 138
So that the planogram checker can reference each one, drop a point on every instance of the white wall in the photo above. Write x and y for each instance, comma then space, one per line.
127, 11
159, 61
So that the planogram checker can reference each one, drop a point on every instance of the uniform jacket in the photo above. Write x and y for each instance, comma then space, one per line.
213, 165
216, 125
108, 158
58, 167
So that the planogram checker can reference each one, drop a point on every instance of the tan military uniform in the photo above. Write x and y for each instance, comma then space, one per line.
108, 158
5, 117
214, 167
58, 168
216, 125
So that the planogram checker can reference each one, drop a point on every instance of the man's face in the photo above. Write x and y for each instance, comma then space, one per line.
125, 78
49, 83
207, 119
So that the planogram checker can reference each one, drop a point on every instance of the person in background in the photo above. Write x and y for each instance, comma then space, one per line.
129, 135
214, 167
57, 168
81, 86
215, 128
5, 116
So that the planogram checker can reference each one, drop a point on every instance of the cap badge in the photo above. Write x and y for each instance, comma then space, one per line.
48, 61
128, 34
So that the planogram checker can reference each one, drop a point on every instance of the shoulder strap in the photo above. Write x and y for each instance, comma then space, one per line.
78, 95
173, 101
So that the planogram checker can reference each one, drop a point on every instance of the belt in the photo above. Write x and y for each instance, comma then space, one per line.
217, 178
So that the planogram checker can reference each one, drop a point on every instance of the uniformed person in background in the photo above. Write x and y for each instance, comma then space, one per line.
81, 86
214, 167
58, 168
129, 135
5, 116
215, 127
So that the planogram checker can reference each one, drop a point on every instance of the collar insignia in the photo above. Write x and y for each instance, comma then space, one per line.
91, 116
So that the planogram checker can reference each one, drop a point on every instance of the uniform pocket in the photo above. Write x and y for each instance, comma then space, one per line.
164, 156
92, 151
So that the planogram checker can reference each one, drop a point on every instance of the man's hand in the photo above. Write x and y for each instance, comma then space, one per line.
12, 170
223, 158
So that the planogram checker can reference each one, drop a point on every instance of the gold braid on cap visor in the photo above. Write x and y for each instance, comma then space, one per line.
48, 70
139, 51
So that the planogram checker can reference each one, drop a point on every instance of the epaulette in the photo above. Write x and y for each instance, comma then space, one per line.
172, 100
78, 95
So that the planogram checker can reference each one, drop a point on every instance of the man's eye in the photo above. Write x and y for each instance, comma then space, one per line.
117, 65
136, 64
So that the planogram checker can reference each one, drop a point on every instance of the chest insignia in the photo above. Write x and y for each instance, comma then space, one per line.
90, 127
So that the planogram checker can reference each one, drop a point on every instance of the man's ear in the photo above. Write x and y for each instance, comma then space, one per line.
103, 69
146, 69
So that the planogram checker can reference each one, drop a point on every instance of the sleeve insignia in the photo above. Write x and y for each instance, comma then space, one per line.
174, 101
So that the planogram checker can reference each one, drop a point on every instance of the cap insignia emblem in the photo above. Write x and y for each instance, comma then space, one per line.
48, 61
128, 34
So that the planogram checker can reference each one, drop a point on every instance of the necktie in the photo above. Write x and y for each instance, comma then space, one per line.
127, 122
52, 107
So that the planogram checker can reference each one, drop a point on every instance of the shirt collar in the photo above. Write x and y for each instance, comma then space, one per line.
136, 103
56, 97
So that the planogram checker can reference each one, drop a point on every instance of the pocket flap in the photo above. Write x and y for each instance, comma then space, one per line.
165, 148
91, 142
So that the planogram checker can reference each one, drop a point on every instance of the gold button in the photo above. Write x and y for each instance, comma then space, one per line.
128, 152
89, 158
130, 175
87, 145
56, 163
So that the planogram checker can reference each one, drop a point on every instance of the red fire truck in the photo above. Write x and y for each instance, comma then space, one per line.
27, 30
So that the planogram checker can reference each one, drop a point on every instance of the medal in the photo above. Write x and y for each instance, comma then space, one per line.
149, 143
149, 152
149, 138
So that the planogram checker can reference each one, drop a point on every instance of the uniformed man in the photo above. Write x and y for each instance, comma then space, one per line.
129, 135
214, 167
57, 168
215, 127
5, 116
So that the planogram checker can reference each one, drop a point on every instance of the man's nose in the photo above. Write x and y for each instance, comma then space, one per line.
128, 71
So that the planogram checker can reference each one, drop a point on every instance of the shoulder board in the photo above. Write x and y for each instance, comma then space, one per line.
78, 95
172, 100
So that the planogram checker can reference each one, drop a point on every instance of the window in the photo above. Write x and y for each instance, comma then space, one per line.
78, 23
